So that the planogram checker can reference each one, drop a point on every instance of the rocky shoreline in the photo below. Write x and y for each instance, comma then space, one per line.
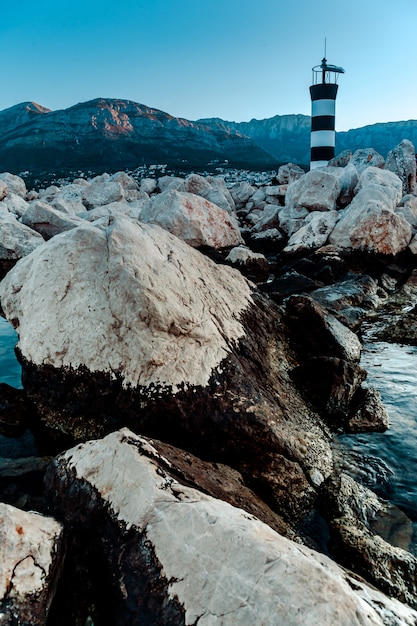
189, 351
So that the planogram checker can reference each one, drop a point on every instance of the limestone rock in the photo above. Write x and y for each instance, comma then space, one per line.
366, 157
184, 348
3, 189
269, 218
288, 173
102, 190
342, 159
169, 182
31, 557
314, 233
192, 218
210, 190
131, 210
47, 221
15, 184
386, 181
125, 316
241, 193
408, 209
317, 190
413, 245
130, 188
251, 264
16, 239
402, 330
402, 161
178, 556
355, 291
291, 219
369, 224
348, 182
148, 185
15, 204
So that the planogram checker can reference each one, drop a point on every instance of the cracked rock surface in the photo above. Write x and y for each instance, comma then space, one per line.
178, 556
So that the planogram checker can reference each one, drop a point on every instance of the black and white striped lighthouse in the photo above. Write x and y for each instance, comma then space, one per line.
323, 94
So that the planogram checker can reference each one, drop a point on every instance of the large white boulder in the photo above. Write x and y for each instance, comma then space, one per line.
369, 224
387, 181
140, 278
48, 221
315, 232
130, 188
16, 239
31, 554
402, 161
102, 190
215, 563
318, 190
15, 204
242, 193
192, 218
366, 157
15, 184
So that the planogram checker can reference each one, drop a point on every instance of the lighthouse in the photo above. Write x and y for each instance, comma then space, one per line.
323, 94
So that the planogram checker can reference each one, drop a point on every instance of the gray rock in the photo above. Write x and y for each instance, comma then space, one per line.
288, 173
314, 233
47, 221
214, 563
16, 239
402, 161
192, 218
317, 190
32, 552
366, 157
15, 184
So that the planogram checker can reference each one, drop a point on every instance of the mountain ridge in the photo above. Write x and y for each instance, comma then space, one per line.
113, 133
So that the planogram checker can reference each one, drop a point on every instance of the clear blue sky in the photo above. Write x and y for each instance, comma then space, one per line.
232, 59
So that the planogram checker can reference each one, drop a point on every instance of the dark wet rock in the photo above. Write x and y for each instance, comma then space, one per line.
356, 290
353, 510
403, 330
330, 384
15, 411
316, 332
252, 264
371, 414
291, 283
270, 240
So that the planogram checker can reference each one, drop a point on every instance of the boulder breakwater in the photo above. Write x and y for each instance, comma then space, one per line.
190, 354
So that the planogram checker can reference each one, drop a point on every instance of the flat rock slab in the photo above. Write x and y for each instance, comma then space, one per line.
181, 557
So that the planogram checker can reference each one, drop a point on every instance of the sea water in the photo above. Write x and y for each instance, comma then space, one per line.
387, 462
10, 370
11, 373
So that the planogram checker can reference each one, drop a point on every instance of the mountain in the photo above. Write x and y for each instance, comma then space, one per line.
287, 137
110, 134
383, 137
